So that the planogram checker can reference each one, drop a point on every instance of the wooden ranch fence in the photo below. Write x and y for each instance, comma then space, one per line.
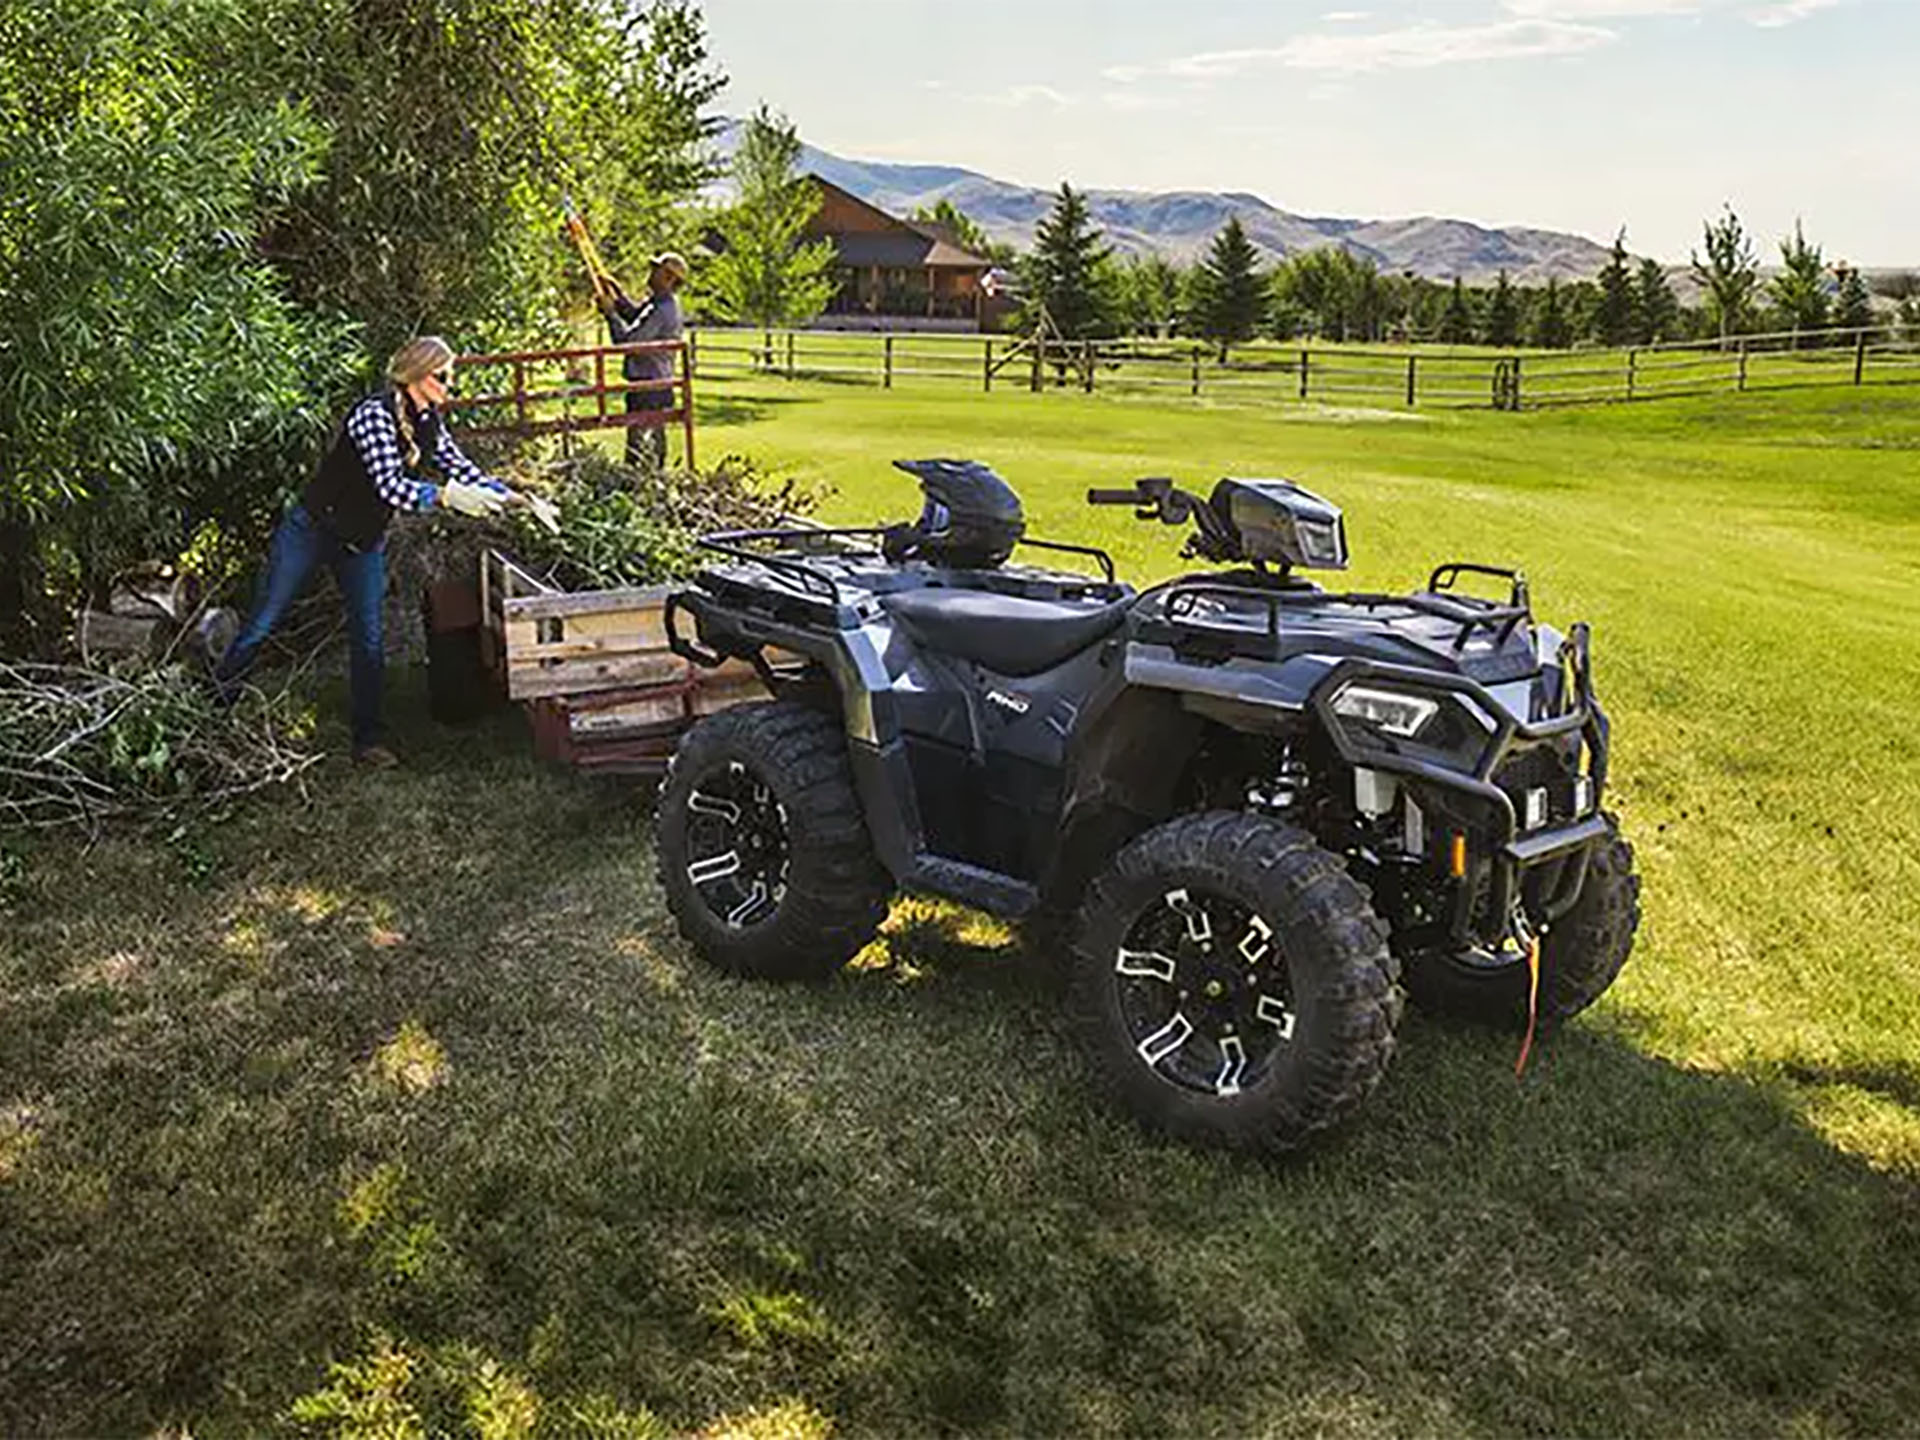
1409, 377
546, 392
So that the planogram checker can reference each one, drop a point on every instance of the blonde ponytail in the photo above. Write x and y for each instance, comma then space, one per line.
413, 361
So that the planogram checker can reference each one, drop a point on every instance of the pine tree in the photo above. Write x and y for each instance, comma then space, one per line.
1730, 274
1800, 289
1613, 311
766, 275
1656, 314
1456, 325
1853, 310
1551, 331
1502, 324
1230, 292
1070, 270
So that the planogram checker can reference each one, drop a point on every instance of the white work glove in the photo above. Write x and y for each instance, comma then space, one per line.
467, 499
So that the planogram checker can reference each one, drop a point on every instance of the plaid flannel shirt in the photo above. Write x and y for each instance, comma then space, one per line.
376, 436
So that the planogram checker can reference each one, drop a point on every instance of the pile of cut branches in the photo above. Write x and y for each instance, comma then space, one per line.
80, 746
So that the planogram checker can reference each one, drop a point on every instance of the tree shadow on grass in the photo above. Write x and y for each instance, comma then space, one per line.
721, 411
423, 1059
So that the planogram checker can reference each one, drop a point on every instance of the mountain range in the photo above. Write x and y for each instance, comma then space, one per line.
1179, 224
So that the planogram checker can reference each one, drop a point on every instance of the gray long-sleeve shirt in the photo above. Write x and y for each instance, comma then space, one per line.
655, 318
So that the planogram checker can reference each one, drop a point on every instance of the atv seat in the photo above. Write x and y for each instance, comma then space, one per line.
1008, 634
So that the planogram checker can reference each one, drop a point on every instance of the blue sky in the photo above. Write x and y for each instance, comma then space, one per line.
1580, 115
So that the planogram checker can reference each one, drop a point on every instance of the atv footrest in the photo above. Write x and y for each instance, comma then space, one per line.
987, 890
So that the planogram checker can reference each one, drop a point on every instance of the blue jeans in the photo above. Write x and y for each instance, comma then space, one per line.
298, 545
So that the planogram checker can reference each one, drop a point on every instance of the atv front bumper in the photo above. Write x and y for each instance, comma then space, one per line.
1528, 822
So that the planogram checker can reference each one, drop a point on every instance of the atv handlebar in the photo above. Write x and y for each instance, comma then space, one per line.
1155, 497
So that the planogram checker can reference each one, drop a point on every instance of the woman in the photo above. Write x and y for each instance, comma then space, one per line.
389, 442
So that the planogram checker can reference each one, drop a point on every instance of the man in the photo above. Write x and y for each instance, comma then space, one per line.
655, 318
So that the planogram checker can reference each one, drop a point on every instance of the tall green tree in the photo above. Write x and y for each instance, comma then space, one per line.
1230, 291
1853, 306
1612, 321
1151, 292
965, 230
1341, 296
1071, 272
1656, 314
1730, 274
153, 372
1456, 322
1552, 329
768, 273
1501, 325
1800, 289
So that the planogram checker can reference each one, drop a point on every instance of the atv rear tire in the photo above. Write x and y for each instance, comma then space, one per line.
1232, 984
764, 854
1580, 956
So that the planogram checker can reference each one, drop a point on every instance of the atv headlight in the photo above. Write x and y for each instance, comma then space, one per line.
1388, 711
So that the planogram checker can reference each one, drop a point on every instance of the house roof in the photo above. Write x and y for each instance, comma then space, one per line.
903, 244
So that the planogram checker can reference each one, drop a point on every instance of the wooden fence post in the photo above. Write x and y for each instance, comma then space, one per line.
600, 381
766, 350
1519, 399
986, 368
789, 354
1087, 356
693, 351
886, 361
1039, 358
520, 392
1633, 366
1859, 356
1304, 360
1410, 390
1196, 370
1741, 382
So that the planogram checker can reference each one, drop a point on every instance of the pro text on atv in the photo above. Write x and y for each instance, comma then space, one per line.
1253, 805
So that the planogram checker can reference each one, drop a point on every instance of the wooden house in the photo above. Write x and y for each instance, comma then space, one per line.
896, 273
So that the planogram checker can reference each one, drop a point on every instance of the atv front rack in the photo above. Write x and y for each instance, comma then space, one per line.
1182, 600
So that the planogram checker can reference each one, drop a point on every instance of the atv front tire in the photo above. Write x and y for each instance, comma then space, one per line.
1580, 955
1232, 984
764, 854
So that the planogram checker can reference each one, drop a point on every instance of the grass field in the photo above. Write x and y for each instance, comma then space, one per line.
413, 1080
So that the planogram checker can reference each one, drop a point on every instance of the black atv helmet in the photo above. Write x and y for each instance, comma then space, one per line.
969, 518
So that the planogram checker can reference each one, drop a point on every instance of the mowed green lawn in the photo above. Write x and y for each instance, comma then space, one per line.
415, 1079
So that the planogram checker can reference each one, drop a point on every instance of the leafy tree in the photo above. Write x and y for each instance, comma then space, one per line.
1501, 325
1230, 292
1800, 289
1070, 271
1612, 322
1730, 274
1456, 323
1151, 290
1340, 294
1551, 328
965, 230
150, 363
767, 274
1656, 314
1853, 307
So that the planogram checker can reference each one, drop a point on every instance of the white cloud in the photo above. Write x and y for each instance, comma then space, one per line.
1015, 96
1788, 12
1415, 47
1776, 13
1345, 17
1600, 9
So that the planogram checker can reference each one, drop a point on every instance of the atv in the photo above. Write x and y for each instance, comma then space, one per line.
1242, 809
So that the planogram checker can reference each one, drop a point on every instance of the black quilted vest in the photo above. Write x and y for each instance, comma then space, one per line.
341, 497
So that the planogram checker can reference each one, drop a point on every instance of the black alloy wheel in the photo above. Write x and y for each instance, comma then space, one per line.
763, 851
1204, 992
737, 836
1232, 983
